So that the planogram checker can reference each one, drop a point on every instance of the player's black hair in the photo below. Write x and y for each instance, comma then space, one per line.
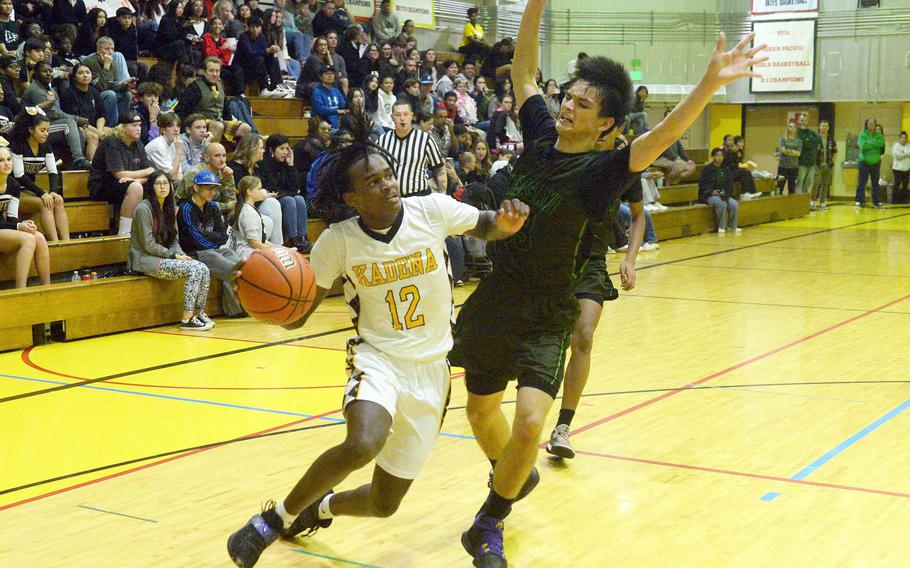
334, 177
611, 81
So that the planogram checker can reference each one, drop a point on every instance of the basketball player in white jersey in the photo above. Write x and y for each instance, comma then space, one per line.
392, 260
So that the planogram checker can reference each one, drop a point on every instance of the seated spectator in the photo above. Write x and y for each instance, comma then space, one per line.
32, 154
319, 135
294, 39
715, 187
351, 49
638, 118
650, 196
250, 228
326, 99
122, 30
33, 53
385, 100
205, 96
341, 139
393, 54
428, 65
465, 104
170, 39
338, 62
194, 17
484, 158
202, 233
195, 138
162, 74
498, 62
427, 102
735, 161
279, 175
385, 22
357, 113
310, 75
503, 88
472, 44
446, 83
372, 63
155, 251
274, 35
150, 14
411, 94
119, 169
115, 87
63, 58
84, 99
166, 151
20, 238
63, 126
92, 27
10, 39
215, 161
443, 132
408, 31
216, 45
148, 108
504, 126
468, 73
226, 12
675, 163
6, 116
246, 158
327, 20
467, 170
257, 59
552, 97
408, 71
9, 77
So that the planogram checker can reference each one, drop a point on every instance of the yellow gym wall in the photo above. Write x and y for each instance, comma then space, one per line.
725, 119
905, 122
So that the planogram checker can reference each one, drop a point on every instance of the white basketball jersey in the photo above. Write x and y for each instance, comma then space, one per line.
398, 285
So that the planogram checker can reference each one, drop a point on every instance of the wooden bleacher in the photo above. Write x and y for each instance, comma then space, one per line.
75, 184
695, 219
685, 194
266, 106
67, 256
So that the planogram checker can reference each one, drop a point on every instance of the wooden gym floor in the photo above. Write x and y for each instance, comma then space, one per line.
746, 407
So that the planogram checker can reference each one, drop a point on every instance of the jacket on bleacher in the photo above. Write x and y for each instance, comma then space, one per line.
715, 178
145, 252
200, 229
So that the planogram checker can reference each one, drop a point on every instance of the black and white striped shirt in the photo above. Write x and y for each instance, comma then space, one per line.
414, 154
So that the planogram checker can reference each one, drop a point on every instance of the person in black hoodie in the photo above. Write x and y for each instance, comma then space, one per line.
93, 26
278, 174
257, 58
202, 231
169, 39
9, 76
66, 13
122, 30
715, 187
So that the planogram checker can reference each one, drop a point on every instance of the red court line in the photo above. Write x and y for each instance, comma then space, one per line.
27, 359
159, 462
732, 368
747, 474
207, 336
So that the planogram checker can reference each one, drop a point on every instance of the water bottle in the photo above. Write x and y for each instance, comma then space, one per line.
75, 277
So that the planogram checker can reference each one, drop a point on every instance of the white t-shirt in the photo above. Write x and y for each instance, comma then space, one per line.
398, 285
249, 226
901, 157
161, 154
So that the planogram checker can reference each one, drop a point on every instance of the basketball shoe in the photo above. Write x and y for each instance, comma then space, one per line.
246, 545
483, 541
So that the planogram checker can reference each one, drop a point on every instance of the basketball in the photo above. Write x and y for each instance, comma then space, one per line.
277, 285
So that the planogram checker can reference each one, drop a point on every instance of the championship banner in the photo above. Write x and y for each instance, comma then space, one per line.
761, 7
361, 9
421, 11
791, 51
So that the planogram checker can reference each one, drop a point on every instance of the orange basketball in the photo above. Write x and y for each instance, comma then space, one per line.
276, 284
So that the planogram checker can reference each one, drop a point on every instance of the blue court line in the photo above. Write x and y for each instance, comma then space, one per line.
336, 559
118, 514
769, 496
200, 401
843, 446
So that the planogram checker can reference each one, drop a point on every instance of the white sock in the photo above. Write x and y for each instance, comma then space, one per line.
126, 226
325, 512
288, 518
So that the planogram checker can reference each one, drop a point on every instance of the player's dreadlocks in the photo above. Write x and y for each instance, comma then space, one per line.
334, 178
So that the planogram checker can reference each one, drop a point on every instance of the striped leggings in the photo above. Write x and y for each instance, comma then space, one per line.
196, 287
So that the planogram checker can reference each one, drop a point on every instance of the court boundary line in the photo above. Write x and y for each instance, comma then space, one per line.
765, 304
735, 367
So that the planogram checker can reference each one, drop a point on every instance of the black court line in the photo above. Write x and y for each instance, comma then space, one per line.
332, 332
164, 455
743, 303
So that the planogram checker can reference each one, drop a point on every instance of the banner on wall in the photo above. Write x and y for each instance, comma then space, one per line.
791, 51
362, 10
421, 11
761, 7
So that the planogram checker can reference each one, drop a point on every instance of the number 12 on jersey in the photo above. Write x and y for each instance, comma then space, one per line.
409, 296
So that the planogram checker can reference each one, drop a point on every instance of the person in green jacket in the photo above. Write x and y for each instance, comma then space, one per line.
871, 144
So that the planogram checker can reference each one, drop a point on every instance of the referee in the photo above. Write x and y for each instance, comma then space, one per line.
415, 152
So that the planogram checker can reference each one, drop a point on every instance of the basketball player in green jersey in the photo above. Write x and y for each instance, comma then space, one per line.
567, 184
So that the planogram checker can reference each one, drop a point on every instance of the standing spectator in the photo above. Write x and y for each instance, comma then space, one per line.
250, 228
247, 155
326, 98
414, 152
114, 86
900, 153
10, 30
84, 99
298, 48
385, 22
215, 161
166, 151
205, 96
327, 20
42, 95
443, 132
472, 44
826, 164
257, 58
202, 233
808, 158
871, 143
715, 187
638, 118
155, 251
20, 238
170, 39
447, 82
789, 149
119, 169
32, 154
215, 44
279, 175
